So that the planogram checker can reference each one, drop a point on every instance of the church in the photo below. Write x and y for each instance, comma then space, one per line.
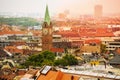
47, 32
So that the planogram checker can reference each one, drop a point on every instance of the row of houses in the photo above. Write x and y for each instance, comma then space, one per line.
14, 41
50, 73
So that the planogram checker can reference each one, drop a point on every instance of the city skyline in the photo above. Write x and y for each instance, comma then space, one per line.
75, 7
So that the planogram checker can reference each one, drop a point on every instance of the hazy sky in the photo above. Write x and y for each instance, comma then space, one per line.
76, 7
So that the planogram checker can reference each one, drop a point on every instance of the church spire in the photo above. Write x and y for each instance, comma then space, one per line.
47, 16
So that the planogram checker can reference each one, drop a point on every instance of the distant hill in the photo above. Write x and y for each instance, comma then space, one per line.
23, 21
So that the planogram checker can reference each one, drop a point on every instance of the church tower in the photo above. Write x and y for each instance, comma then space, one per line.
46, 32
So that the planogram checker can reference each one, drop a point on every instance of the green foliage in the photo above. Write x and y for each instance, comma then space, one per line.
61, 62
48, 58
44, 58
47, 62
48, 55
66, 60
23, 21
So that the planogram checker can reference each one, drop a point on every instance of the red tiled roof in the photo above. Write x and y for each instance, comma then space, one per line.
12, 32
77, 43
68, 34
57, 50
21, 72
7, 30
8, 77
13, 49
32, 71
104, 34
35, 32
87, 32
18, 43
19, 32
57, 75
97, 41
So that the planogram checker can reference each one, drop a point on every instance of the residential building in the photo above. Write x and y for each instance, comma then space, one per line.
48, 74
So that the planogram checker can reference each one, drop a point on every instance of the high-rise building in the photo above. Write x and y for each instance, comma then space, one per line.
47, 32
98, 11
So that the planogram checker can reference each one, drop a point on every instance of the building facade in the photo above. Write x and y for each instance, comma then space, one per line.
98, 11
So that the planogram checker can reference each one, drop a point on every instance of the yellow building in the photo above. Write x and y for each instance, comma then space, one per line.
94, 62
90, 49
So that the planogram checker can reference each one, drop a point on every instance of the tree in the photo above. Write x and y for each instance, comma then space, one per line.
71, 60
34, 60
47, 62
23, 21
48, 55
66, 60
41, 59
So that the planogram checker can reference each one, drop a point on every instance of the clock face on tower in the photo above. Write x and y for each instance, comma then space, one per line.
45, 31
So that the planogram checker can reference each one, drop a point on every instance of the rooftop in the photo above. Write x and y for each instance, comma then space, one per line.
57, 75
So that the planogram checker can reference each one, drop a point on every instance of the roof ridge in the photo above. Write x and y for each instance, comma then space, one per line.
59, 75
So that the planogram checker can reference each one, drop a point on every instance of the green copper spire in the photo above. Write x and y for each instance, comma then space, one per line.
47, 17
